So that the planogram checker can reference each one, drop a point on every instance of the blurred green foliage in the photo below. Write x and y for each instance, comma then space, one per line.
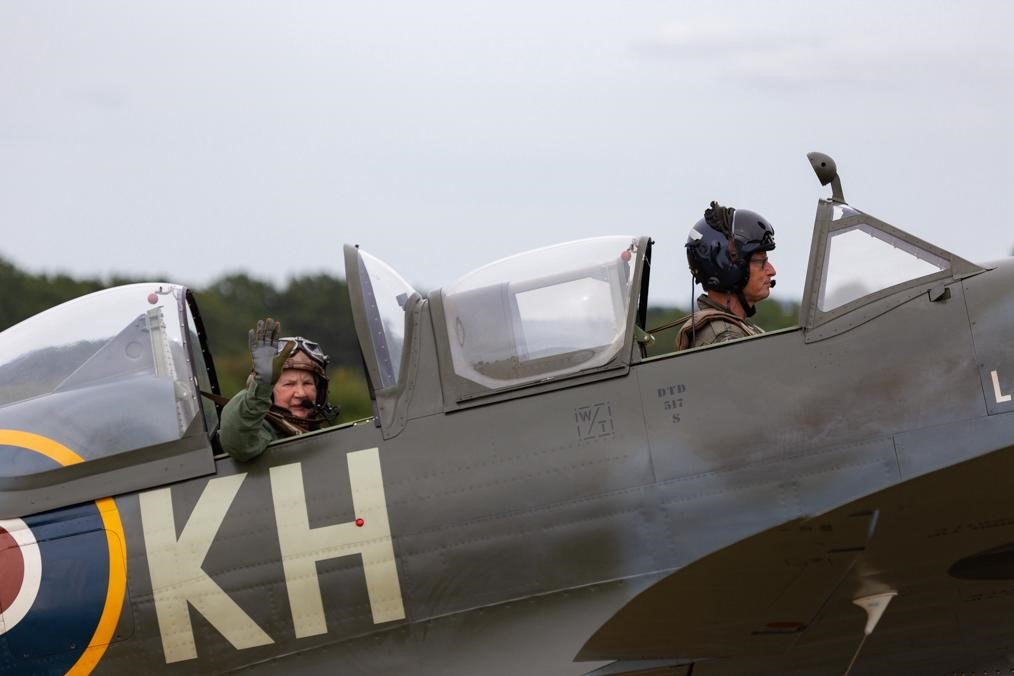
315, 306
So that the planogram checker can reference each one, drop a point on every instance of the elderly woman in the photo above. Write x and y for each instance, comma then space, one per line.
286, 393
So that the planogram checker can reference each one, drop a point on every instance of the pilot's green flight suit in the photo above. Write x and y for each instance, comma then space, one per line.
713, 323
245, 431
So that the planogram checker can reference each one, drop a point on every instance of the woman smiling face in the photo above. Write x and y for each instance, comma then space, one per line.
296, 391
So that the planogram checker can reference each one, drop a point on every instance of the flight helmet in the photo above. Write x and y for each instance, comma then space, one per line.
720, 245
307, 355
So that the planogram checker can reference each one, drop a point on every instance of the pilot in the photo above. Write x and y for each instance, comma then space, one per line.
286, 393
727, 253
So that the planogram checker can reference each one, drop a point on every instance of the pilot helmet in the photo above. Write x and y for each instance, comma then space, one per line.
307, 355
720, 245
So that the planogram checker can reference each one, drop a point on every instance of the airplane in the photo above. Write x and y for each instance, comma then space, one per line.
533, 495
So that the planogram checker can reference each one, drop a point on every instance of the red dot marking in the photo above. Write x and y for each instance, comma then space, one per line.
152, 297
625, 256
13, 566
359, 523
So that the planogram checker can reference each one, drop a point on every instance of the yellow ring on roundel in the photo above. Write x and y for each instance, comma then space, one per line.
116, 589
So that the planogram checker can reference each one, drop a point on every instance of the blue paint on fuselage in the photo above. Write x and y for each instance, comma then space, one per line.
75, 579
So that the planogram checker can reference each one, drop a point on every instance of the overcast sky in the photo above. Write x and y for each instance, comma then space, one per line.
189, 139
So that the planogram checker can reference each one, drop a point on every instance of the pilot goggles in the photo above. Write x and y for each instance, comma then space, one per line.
311, 348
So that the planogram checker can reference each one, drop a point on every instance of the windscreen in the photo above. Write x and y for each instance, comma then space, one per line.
864, 259
385, 293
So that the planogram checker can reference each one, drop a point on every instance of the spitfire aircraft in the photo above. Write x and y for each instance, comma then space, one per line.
534, 495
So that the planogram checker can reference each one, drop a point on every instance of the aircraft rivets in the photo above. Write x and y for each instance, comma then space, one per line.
360, 523
152, 297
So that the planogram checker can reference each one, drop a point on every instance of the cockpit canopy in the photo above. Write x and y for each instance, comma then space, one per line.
97, 380
543, 313
102, 374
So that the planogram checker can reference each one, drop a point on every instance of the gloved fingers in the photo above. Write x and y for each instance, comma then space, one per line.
265, 333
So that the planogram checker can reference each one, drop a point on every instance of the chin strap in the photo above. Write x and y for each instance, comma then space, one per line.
750, 310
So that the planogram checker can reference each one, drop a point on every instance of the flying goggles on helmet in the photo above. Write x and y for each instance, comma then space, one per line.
306, 355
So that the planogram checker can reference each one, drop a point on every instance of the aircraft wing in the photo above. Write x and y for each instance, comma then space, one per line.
752, 599
783, 601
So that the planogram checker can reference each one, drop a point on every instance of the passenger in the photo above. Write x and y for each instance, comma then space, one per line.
727, 253
286, 393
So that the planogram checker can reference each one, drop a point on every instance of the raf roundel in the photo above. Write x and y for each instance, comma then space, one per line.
62, 574
22, 572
